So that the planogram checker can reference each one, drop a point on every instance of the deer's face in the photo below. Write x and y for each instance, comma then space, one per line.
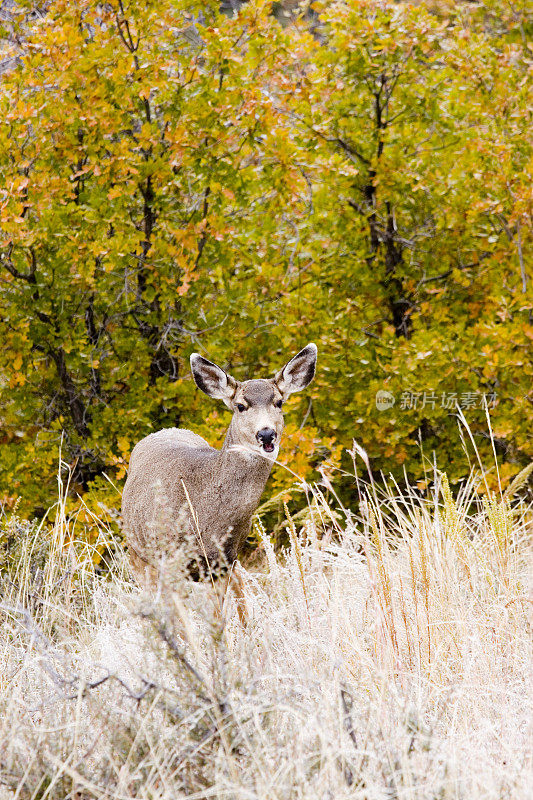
257, 417
257, 404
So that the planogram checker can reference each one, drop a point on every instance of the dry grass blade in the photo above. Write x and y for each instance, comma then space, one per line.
388, 654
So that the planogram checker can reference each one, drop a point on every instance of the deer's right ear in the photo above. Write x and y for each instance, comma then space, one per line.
212, 380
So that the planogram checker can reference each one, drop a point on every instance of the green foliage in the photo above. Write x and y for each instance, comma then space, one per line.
14, 536
177, 180
421, 216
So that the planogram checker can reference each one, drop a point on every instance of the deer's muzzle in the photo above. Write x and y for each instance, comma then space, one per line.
266, 438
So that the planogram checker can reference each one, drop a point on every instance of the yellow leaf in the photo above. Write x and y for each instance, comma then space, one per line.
123, 444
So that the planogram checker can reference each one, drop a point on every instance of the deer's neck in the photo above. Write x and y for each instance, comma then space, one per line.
243, 471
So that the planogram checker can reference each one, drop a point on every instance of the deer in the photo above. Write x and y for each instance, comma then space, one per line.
188, 503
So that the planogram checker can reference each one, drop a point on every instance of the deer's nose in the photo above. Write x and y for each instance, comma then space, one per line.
266, 437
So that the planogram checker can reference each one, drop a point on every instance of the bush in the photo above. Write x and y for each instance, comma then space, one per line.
177, 180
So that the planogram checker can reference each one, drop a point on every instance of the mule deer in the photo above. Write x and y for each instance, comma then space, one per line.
181, 494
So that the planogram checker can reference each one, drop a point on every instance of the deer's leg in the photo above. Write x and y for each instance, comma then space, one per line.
235, 586
145, 575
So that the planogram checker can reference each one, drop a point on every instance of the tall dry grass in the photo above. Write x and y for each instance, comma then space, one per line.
387, 655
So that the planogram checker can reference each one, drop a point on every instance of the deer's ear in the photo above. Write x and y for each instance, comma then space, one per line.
299, 372
212, 380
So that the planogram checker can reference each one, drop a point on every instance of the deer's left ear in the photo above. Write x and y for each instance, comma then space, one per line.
298, 373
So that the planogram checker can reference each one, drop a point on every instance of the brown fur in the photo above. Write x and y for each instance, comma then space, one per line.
184, 501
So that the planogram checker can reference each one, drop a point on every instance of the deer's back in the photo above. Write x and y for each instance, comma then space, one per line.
168, 443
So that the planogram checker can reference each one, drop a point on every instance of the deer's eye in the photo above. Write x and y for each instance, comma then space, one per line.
279, 403
241, 407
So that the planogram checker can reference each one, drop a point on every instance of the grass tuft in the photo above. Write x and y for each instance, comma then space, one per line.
387, 655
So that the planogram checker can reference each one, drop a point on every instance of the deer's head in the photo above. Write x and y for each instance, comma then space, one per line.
257, 405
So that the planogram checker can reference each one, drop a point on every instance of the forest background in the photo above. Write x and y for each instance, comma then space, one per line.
178, 177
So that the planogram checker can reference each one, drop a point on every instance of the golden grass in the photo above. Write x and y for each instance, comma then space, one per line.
387, 655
